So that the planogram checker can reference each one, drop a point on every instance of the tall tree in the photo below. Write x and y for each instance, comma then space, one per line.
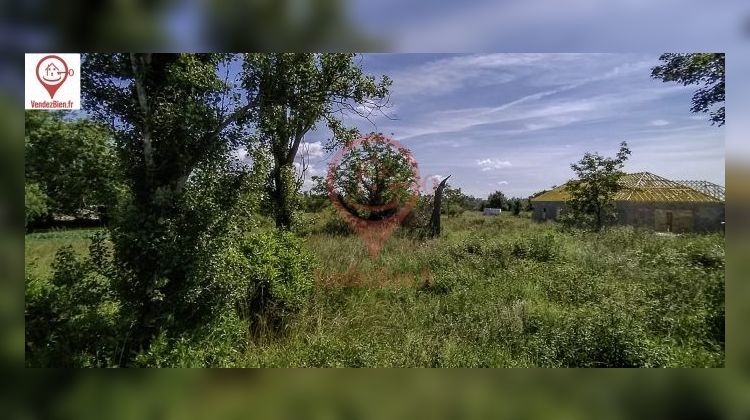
73, 162
516, 206
295, 93
171, 115
591, 204
35, 201
706, 69
374, 180
497, 200
456, 202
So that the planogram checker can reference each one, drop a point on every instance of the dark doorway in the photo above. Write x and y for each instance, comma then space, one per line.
669, 221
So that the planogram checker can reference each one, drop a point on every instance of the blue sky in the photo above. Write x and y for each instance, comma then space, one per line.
515, 122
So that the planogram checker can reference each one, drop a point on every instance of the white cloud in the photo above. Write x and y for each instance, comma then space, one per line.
659, 123
535, 115
431, 182
490, 164
449, 74
314, 149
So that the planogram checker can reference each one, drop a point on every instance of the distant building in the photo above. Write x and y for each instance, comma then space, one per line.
489, 211
648, 200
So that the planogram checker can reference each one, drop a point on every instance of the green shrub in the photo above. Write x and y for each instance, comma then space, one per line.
279, 277
36, 202
329, 222
74, 319
539, 248
705, 252
450, 278
220, 343
416, 224
453, 210
588, 336
572, 285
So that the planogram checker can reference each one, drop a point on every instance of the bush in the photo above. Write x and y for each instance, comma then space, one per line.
704, 253
450, 278
539, 248
74, 319
589, 337
36, 203
416, 224
77, 318
336, 226
279, 278
453, 210
220, 343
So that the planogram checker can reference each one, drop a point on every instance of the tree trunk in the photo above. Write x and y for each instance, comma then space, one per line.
436, 204
282, 197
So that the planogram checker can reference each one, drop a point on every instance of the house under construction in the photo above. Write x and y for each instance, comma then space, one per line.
650, 201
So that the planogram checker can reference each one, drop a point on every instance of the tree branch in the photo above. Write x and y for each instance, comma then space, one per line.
137, 64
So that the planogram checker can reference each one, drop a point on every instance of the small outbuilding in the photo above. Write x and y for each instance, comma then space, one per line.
648, 200
490, 211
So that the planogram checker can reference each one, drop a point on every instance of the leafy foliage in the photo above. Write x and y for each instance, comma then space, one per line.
296, 92
174, 122
455, 202
280, 278
317, 198
74, 319
73, 162
705, 69
516, 207
35, 201
375, 179
591, 202
497, 200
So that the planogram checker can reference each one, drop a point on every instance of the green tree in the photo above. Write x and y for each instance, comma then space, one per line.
455, 202
174, 122
591, 203
706, 69
497, 200
516, 207
375, 179
317, 198
35, 201
295, 93
73, 161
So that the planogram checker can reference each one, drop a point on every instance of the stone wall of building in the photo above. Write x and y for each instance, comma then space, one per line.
660, 216
684, 217
547, 210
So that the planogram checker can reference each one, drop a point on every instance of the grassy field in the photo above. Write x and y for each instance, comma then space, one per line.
497, 292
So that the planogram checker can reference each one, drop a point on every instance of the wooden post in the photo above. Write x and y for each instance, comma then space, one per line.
436, 203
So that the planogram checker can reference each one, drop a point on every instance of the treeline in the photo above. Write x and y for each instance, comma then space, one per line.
455, 201
72, 169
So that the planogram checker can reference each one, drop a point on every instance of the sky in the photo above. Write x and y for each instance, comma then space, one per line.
515, 122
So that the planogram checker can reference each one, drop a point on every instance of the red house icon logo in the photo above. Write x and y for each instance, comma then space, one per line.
51, 71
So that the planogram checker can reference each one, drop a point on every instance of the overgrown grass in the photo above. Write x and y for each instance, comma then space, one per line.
41, 248
494, 292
